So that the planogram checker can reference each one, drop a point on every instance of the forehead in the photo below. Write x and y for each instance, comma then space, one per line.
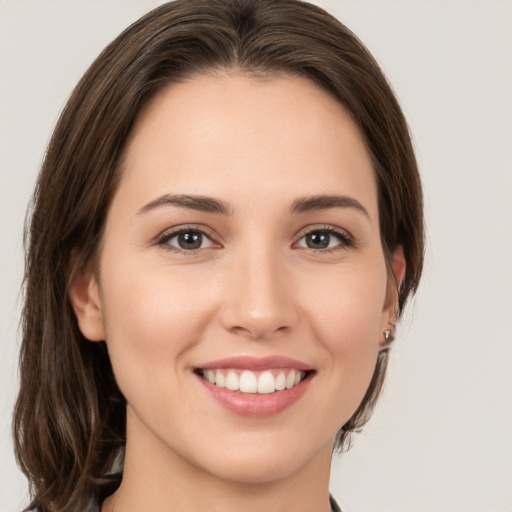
211, 134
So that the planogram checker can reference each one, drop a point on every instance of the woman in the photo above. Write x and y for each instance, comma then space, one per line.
226, 228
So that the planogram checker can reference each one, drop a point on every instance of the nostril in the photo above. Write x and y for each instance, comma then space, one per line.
257, 330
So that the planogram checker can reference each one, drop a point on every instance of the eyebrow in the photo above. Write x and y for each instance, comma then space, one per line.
200, 203
217, 206
325, 202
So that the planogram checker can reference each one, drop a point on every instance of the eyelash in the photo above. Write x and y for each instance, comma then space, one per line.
346, 241
164, 239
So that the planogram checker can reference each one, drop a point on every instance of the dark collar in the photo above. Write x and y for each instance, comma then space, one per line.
334, 506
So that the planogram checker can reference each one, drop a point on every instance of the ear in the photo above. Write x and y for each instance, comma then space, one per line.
83, 292
398, 268
389, 312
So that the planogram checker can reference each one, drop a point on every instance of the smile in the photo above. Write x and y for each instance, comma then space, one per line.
255, 387
248, 381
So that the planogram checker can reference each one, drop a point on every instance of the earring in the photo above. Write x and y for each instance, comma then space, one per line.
388, 336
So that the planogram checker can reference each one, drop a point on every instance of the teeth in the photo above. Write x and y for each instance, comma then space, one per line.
250, 382
266, 383
232, 381
290, 380
220, 380
280, 381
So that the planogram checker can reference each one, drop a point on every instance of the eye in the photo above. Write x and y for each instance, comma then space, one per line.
327, 239
186, 240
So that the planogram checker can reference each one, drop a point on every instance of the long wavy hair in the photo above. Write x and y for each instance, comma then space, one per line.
69, 419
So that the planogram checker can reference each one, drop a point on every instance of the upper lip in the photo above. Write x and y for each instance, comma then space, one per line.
255, 363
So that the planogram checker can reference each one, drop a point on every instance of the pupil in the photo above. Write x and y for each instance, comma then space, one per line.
318, 240
190, 240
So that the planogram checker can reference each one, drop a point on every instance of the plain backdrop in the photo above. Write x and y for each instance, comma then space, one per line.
441, 438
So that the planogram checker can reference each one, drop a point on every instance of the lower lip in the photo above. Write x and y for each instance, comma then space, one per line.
255, 404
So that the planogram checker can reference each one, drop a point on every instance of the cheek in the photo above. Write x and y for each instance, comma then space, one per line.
347, 315
150, 319
347, 307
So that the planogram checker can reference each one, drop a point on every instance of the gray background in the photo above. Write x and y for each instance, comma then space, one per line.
441, 439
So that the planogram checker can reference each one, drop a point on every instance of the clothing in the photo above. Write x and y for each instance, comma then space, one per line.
107, 489
334, 506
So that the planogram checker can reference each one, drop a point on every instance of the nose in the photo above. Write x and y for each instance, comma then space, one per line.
259, 302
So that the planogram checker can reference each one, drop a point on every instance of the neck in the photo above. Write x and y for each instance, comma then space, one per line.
158, 479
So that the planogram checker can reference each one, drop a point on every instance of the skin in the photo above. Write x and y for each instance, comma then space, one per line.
254, 288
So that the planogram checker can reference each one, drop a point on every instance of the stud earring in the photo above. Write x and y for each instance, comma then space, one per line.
388, 338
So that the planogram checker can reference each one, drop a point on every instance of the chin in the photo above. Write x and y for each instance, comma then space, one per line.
264, 459
256, 470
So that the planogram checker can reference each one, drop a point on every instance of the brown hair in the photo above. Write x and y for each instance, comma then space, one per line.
69, 420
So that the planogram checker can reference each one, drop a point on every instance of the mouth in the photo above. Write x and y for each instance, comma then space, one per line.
255, 387
263, 382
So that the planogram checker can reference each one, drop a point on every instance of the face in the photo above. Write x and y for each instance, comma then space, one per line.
241, 286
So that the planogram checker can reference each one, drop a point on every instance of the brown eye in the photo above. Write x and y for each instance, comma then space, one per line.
186, 240
190, 240
318, 240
